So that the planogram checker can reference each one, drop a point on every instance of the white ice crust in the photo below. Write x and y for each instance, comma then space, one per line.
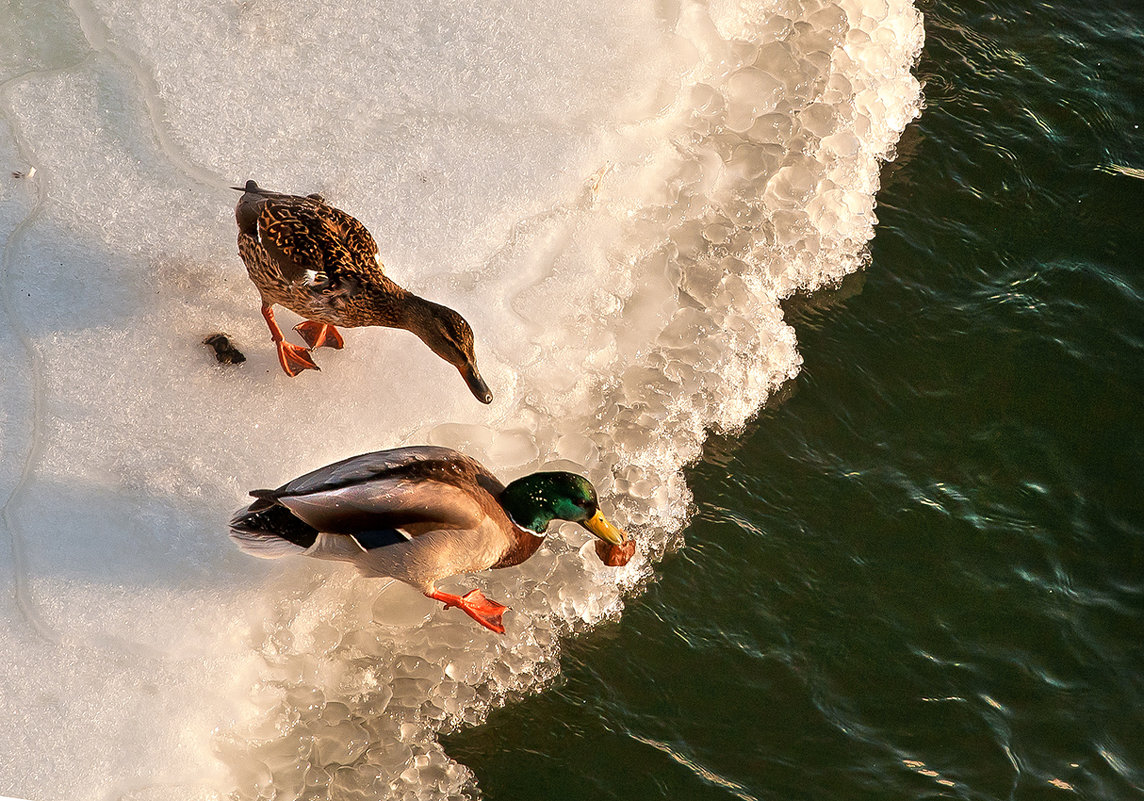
616, 194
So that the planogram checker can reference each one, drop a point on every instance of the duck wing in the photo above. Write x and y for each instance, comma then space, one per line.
353, 233
415, 490
305, 236
300, 239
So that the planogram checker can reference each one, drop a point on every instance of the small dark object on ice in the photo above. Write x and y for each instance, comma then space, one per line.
224, 350
615, 555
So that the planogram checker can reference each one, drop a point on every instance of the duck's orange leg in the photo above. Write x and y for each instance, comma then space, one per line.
475, 605
293, 358
320, 335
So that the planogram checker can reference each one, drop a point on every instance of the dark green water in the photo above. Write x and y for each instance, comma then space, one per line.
920, 573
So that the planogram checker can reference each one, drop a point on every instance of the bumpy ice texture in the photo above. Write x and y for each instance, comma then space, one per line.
616, 197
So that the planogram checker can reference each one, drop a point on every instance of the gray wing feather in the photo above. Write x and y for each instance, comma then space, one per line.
384, 503
369, 466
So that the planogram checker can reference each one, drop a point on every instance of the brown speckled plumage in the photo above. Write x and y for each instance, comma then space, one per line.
321, 263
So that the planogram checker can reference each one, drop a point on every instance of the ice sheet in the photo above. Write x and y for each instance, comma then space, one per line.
615, 194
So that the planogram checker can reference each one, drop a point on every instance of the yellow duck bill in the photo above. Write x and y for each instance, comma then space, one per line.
599, 525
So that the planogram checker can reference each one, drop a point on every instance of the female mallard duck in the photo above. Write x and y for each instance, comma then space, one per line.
419, 515
321, 263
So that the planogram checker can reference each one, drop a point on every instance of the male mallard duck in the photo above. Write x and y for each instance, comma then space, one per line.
321, 263
419, 515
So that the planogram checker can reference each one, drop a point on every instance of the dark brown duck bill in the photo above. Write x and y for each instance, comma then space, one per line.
476, 384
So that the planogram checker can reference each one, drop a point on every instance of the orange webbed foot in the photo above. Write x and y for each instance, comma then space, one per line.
320, 335
475, 605
294, 359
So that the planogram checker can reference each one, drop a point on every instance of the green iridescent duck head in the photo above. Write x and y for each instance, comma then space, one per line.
534, 501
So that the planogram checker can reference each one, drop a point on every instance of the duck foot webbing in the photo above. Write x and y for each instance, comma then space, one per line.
293, 358
320, 335
475, 605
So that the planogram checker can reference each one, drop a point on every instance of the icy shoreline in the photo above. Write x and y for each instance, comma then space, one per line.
619, 229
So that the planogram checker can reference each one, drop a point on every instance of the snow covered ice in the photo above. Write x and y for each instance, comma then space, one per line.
615, 194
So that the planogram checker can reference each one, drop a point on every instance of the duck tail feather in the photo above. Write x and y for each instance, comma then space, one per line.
249, 186
263, 544
267, 530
